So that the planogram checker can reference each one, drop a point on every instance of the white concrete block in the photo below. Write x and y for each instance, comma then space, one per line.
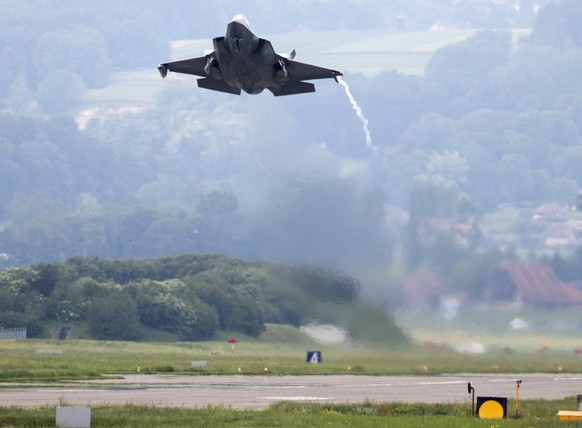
74, 417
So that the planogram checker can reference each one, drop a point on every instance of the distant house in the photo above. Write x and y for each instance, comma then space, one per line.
533, 283
567, 235
549, 213
562, 228
424, 288
394, 216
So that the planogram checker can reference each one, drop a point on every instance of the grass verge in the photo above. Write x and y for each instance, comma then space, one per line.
535, 413
28, 361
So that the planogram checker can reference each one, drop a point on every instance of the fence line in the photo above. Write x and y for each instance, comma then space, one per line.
12, 333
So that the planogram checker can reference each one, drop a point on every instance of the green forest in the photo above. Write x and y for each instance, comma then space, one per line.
467, 153
186, 298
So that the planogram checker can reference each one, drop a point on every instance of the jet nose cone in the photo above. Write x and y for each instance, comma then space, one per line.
241, 19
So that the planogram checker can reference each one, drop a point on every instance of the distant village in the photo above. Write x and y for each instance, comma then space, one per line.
550, 229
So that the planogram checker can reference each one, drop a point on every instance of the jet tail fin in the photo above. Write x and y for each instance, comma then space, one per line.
292, 88
217, 85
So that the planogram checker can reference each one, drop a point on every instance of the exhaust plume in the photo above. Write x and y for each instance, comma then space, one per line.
359, 113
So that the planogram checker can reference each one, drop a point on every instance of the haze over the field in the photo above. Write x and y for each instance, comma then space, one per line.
474, 109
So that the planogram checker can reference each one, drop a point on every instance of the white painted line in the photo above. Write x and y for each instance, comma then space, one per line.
297, 398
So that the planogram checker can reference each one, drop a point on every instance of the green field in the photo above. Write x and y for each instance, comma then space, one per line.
556, 330
535, 413
366, 52
281, 350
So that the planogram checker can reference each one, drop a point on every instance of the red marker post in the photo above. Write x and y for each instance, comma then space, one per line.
232, 342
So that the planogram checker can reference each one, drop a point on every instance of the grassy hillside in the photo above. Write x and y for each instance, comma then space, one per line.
370, 52
367, 52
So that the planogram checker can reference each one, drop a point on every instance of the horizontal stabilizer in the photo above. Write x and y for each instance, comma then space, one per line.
292, 88
217, 85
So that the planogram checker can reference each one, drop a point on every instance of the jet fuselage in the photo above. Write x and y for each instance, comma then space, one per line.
243, 61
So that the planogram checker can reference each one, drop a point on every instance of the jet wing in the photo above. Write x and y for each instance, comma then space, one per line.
187, 66
301, 71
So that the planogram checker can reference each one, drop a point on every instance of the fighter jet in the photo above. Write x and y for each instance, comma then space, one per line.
243, 61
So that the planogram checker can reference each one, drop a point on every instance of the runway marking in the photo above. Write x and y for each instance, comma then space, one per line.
351, 385
297, 398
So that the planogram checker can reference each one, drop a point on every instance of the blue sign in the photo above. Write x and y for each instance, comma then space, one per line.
314, 357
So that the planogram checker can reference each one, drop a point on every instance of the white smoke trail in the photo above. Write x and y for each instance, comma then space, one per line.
358, 110
262, 165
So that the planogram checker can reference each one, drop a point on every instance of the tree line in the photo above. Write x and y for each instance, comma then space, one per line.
189, 297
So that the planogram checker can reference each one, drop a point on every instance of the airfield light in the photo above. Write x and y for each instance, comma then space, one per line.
517, 385
471, 390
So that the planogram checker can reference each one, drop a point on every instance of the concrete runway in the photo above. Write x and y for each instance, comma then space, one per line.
258, 392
